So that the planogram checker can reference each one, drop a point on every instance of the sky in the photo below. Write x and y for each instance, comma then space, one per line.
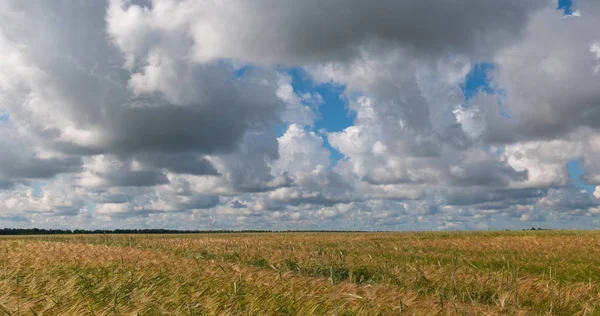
293, 115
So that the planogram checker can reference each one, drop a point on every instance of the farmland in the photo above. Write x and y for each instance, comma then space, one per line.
474, 273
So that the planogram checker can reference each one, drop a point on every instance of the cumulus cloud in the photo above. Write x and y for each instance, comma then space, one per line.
179, 113
310, 31
548, 76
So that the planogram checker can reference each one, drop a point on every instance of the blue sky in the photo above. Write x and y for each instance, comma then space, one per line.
576, 176
566, 6
478, 80
333, 115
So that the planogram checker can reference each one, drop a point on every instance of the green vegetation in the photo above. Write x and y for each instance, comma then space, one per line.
529, 272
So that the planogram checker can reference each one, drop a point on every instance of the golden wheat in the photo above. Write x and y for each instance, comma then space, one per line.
492, 273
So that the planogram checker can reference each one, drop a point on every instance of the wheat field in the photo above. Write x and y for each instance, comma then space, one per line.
464, 273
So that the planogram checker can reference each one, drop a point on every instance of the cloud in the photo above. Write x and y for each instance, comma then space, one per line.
560, 199
104, 171
60, 197
548, 77
165, 113
185, 163
20, 163
85, 102
304, 33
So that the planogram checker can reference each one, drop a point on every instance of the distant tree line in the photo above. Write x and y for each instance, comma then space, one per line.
41, 231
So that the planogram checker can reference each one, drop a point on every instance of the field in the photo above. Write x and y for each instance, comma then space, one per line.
476, 273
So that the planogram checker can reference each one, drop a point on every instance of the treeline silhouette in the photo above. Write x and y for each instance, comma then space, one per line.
41, 231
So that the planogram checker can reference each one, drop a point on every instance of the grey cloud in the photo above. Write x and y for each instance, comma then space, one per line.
212, 113
487, 173
548, 78
315, 31
97, 107
15, 218
455, 136
59, 210
251, 185
150, 201
389, 179
186, 163
215, 125
426, 208
248, 168
237, 204
199, 201
5, 184
116, 198
533, 216
318, 200
67, 210
568, 199
483, 197
409, 175
135, 178
34, 168
17, 164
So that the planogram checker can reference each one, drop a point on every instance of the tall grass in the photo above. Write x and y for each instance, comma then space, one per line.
543, 272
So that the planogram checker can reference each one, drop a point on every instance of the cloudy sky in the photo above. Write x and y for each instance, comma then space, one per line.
286, 114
